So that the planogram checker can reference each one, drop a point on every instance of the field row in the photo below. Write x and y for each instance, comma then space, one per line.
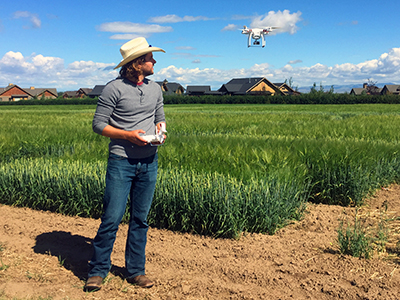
224, 169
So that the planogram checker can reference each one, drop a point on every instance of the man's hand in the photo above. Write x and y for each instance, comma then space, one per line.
135, 138
132, 136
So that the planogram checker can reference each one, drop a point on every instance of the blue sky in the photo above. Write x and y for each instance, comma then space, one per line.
72, 44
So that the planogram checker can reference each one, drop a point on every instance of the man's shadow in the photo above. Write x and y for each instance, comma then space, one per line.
73, 251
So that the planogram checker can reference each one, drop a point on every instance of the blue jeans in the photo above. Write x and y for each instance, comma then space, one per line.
125, 176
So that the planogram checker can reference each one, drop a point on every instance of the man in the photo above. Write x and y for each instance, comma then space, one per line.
129, 107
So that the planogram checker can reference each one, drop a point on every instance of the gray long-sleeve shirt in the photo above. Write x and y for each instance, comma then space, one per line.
125, 105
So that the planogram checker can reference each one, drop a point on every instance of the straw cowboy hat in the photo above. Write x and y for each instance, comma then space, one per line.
134, 49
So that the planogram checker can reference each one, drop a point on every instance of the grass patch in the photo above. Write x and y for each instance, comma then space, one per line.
366, 235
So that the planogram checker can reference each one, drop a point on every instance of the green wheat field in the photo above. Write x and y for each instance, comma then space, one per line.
224, 169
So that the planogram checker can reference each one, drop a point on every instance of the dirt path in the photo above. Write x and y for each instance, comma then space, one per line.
44, 256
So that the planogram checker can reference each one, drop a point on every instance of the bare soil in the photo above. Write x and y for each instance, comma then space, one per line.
44, 256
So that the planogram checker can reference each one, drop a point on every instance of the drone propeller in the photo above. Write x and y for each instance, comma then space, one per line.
246, 29
269, 29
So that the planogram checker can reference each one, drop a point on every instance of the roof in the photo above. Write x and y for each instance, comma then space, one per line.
198, 88
393, 88
69, 93
86, 91
357, 91
232, 88
174, 86
39, 91
96, 90
171, 86
242, 86
285, 88
32, 91
11, 86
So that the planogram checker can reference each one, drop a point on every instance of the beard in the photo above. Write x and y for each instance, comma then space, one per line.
148, 72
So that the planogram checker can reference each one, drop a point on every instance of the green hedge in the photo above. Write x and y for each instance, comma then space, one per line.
57, 101
307, 98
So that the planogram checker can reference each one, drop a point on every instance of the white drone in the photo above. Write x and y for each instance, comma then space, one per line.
256, 34
156, 139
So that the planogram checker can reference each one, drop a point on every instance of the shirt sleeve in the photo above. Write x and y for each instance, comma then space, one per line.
159, 115
105, 107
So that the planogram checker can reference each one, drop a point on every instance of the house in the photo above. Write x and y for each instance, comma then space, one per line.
250, 86
286, 89
171, 88
358, 91
83, 93
42, 93
364, 90
198, 90
15, 93
96, 91
69, 94
391, 89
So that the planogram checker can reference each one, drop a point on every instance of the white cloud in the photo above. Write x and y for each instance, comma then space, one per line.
87, 66
293, 62
185, 48
127, 36
230, 27
33, 18
176, 19
16, 63
386, 67
42, 71
390, 62
12, 59
285, 20
129, 30
129, 27
210, 76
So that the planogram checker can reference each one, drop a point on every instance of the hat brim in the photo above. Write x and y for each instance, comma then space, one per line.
138, 54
